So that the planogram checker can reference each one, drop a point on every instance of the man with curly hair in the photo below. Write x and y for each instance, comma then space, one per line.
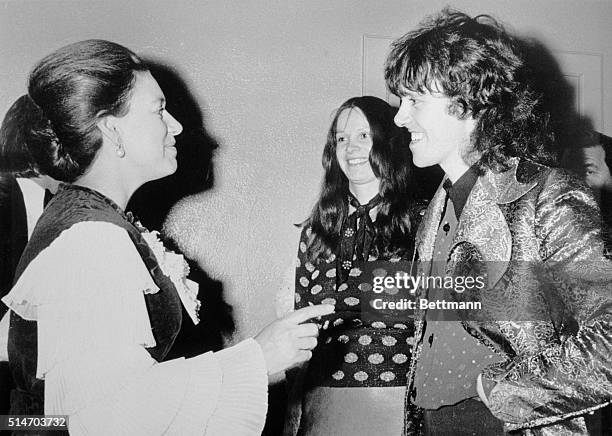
536, 357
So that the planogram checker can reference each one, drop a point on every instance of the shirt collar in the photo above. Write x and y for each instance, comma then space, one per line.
460, 190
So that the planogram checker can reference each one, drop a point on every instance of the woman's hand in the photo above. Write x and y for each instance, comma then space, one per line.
287, 342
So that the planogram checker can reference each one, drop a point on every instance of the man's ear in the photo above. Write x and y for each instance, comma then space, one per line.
470, 124
468, 153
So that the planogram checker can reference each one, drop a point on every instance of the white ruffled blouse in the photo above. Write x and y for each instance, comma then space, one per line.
86, 292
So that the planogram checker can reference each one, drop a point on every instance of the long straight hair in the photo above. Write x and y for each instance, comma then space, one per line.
391, 163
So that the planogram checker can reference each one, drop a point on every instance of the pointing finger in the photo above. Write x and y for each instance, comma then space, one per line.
309, 312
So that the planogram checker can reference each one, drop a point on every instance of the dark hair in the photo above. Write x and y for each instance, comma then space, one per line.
54, 125
606, 143
16, 132
480, 68
573, 158
391, 163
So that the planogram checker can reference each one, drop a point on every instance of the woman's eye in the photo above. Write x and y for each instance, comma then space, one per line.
364, 135
161, 111
340, 139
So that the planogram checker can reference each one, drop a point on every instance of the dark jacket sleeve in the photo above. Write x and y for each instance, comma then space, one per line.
13, 233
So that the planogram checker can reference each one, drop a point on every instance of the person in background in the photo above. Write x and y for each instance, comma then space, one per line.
595, 165
592, 160
364, 219
97, 299
536, 357
597, 160
24, 192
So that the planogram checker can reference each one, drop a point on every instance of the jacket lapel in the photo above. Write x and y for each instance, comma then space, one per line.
483, 225
426, 234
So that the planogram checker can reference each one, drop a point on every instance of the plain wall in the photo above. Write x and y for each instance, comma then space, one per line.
267, 76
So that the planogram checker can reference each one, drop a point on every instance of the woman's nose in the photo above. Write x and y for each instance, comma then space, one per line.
351, 144
174, 127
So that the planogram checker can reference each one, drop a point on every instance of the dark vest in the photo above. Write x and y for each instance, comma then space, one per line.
72, 205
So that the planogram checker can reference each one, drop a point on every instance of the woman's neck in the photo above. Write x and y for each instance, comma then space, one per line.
110, 187
364, 193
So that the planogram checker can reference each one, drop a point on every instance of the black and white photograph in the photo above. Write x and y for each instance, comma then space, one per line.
306, 218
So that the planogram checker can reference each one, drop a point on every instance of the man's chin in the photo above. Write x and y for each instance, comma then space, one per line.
421, 163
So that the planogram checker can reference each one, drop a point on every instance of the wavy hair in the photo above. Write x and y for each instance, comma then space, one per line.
391, 163
480, 68
606, 143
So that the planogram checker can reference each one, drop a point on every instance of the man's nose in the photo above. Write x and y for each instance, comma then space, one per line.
402, 117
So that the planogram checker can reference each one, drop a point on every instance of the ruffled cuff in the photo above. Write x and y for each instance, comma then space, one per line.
243, 403
199, 402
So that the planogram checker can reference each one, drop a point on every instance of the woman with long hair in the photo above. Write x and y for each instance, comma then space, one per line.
363, 221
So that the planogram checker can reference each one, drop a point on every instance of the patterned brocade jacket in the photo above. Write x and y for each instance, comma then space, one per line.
547, 310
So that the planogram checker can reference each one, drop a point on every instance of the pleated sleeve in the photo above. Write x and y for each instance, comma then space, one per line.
86, 292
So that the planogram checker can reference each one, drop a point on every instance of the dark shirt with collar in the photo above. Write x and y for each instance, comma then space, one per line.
459, 191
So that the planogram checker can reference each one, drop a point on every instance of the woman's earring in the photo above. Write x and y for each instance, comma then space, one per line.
120, 149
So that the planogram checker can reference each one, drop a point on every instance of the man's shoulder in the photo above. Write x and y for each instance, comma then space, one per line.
552, 184
533, 179
530, 172
555, 178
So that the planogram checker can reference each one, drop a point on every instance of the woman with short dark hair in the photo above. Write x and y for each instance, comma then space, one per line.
97, 300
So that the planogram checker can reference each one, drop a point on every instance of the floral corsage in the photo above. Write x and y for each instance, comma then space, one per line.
174, 266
